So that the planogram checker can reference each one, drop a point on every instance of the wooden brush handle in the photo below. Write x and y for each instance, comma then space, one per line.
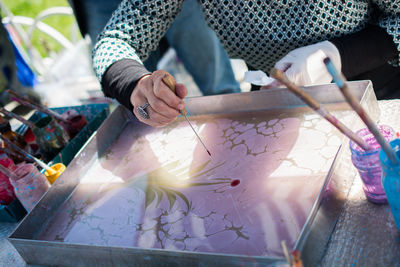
27, 102
170, 82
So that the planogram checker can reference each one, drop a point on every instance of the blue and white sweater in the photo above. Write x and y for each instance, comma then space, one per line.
259, 32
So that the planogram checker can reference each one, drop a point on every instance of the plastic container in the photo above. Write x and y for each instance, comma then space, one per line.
367, 163
29, 185
391, 181
7, 194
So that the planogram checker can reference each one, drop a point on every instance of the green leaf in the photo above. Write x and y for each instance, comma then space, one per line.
159, 196
198, 169
204, 172
205, 184
171, 198
150, 196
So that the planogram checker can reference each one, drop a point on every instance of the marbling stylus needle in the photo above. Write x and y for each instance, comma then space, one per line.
340, 81
170, 82
311, 102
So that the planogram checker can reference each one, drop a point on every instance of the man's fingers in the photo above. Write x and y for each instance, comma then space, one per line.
181, 90
161, 107
155, 119
162, 91
164, 103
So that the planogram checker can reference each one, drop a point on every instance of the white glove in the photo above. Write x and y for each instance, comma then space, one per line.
305, 66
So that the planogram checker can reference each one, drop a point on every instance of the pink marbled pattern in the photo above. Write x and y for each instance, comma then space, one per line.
158, 188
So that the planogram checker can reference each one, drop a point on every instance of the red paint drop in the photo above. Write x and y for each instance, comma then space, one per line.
397, 134
235, 182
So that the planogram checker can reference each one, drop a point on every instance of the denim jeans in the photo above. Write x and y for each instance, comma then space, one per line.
196, 45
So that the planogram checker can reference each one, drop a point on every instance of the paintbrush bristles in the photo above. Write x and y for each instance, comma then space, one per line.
310, 101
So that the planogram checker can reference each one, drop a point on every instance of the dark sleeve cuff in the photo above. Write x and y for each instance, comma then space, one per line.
120, 79
365, 50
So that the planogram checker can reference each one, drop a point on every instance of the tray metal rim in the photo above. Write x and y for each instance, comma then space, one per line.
20, 242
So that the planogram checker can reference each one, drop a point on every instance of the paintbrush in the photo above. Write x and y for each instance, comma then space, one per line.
25, 101
170, 82
17, 117
49, 169
14, 155
7, 172
286, 252
311, 102
340, 81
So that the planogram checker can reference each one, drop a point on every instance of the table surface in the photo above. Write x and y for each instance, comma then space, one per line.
365, 234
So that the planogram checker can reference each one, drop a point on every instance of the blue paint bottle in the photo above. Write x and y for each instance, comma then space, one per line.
391, 180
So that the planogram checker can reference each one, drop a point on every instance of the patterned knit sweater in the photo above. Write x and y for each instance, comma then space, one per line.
259, 32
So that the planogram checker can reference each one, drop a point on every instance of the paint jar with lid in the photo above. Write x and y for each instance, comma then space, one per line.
29, 184
50, 137
367, 163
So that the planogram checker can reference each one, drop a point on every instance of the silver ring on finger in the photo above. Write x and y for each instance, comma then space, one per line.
142, 111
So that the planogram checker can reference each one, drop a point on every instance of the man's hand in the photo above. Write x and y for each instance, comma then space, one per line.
164, 105
304, 65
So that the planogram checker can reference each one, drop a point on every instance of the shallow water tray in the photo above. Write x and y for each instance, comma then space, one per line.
137, 195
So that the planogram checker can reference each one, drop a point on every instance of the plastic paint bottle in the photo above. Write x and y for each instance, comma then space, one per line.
7, 194
391, 181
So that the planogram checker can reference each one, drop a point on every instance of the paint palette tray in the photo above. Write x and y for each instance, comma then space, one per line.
152, 196
95, 114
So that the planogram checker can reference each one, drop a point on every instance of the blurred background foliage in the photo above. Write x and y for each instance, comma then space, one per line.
64, 24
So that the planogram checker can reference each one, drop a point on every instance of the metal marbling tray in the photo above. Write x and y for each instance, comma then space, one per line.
136, 195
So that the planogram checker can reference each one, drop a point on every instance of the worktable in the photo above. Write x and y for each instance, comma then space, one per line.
365, 233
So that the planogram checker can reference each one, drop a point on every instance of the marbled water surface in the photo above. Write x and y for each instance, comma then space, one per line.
158, 187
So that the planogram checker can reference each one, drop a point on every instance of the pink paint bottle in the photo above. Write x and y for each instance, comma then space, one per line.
7, 194
368, 165
29, 185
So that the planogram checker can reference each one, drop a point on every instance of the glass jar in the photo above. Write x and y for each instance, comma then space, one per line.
367, 163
